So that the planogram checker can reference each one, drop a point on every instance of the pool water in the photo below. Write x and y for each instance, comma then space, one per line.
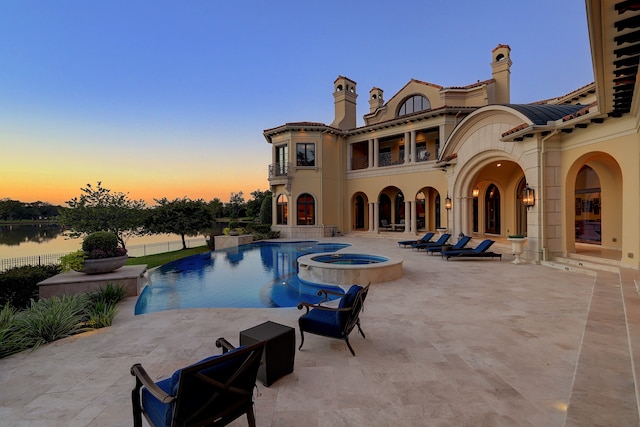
257, 275
350, 259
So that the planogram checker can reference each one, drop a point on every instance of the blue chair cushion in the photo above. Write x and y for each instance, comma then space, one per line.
330, 323
159, 413
350, 296
162, 413
322, 322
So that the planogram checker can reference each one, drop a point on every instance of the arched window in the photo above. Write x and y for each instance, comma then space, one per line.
306, 210
414, 104
282, 209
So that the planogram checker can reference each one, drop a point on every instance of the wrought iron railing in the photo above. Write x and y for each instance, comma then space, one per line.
384, 159
358, 163
277, 170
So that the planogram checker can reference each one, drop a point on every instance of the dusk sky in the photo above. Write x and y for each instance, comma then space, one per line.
169, 99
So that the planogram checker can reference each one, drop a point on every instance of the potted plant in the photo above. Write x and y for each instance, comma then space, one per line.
517, 246
100, 254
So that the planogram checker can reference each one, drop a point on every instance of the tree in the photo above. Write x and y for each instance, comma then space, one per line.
217, 207
236, 205
98, 209
180, 216
266, 213
254, 205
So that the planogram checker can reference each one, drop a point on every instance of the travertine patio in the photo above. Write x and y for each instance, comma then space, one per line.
467, 342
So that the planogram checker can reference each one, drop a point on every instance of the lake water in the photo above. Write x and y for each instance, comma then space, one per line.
32, 240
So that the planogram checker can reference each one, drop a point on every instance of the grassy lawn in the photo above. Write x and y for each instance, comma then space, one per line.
163, 258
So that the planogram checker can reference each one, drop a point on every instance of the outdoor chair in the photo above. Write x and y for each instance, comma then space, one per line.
426, 238
334, 322
460, 245
213, 392
480, 251
384, 225
438, 243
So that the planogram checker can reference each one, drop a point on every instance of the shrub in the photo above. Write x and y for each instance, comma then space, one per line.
12, 338
102, 244
59, 317
55, 318
110, 294
18, 286
261, 228
73, 261
101, 314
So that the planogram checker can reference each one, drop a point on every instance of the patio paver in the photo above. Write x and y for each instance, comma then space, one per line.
464, 342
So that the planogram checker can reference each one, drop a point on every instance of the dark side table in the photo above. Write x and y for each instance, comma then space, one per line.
279, 350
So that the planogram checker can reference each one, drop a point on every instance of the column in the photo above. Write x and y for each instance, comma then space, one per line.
376, 149
407, 146
349, 156
414, 215
407, 216
376, 216
370, 156
413, 146
371, 216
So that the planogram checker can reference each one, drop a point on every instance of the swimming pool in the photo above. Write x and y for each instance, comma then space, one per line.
257, 275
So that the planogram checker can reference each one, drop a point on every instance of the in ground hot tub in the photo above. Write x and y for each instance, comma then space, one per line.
348, 268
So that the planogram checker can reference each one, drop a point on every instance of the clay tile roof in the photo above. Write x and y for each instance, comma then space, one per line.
501, 45
580, 112
304, 124
515, 129
472, 85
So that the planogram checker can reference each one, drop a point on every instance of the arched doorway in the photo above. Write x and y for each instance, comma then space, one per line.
385, 210
588, 207
360, 213
492, 210
428, 209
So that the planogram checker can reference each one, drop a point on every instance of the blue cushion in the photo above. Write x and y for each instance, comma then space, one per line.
159, 413
322, 322
349, 298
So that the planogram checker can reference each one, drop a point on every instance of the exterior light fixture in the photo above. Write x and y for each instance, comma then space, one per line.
475, 192
447, 203
528, 196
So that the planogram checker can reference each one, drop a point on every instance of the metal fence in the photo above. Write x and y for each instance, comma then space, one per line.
134, 251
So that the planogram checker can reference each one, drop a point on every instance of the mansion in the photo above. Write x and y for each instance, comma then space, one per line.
564, 172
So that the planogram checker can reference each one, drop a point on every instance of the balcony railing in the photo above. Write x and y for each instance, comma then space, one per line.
384, 159
423, 155
358, 163
279, 170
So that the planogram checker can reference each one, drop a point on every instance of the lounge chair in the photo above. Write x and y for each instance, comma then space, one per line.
441, 241
334, 322
479, 251
214, 391
426, 238
460, 245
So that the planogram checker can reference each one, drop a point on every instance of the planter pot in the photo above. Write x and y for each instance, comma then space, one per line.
103, 265
517, 247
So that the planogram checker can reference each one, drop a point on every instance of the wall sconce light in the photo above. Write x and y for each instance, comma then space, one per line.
528, 196
475, 192
447, 203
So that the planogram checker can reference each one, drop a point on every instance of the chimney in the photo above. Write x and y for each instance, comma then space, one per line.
375, 99
344, 95
501, 73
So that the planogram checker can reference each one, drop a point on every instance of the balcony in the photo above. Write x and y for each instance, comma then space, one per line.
279, 170
386, 159
358, 163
